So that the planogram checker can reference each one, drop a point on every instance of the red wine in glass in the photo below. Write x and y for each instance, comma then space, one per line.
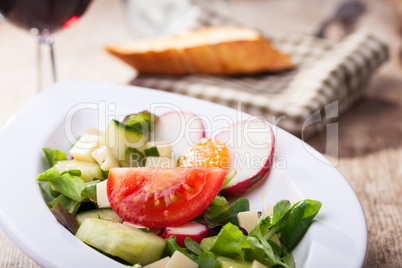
42, 18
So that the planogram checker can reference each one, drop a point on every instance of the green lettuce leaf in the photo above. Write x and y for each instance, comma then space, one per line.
67, 184
226, 216
66, 203
47, 193
53, 155
89, 193
231, 242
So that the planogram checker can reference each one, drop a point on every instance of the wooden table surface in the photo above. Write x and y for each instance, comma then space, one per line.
370, 134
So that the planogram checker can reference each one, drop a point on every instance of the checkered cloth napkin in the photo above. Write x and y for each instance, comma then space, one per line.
328, 75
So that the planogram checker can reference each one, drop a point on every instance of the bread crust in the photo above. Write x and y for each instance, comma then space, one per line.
213, 50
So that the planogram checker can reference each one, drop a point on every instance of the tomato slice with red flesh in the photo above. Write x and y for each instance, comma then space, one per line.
162, 197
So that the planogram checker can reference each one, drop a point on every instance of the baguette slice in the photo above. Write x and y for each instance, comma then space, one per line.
213, 50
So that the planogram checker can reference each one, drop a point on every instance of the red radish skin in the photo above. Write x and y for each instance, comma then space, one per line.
247, 176
181, 129
194, 230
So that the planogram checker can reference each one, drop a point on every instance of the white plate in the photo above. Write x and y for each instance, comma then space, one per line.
338, 237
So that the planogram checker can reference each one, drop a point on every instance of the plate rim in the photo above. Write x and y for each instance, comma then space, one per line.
36, 254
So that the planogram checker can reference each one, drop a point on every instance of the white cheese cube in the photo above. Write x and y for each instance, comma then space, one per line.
162, 162
257, 264
164, 148
158, 264
101, 195
178, 259
247, 219
85, 145
105, 158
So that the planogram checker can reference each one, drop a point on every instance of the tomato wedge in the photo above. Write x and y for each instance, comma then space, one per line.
162, 197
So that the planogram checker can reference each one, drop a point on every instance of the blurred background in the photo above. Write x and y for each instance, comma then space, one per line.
369, 133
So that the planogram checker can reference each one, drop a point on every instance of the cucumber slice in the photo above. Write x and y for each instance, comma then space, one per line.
232, 263
89, 170
133, 158
122, 241
102, 213
120, 136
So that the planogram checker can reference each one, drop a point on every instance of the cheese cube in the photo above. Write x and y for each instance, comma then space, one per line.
178, 259
85, 145
105, 158
247, 219
101, 195
158, 264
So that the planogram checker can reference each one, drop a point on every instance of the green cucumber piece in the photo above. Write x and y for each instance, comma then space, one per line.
116, 239
102, 213
232, 263
89, 171
119, 136
133, 158
153, 151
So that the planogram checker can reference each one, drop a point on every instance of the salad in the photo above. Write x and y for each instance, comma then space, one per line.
154, 192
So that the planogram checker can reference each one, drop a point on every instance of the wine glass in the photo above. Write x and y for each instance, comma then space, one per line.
42, 18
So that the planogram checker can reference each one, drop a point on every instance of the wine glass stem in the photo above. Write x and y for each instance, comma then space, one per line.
47, 41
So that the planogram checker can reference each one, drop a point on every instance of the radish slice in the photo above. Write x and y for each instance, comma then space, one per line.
181, 130
195, 230
251, 150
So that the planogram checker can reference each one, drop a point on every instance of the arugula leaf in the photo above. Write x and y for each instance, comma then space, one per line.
53, 155
66, 218
207, 260
204, 258
299, 220
171, 247
70, 186
257, 252
217, 206
269, 251
289, 260
228, 215
193, 246
280, 209
230, 242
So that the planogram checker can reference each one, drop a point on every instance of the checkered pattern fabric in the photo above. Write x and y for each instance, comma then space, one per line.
327, 73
